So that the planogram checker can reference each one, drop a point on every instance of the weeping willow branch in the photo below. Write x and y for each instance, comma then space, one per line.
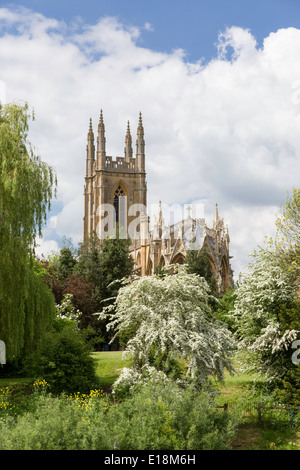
27, 186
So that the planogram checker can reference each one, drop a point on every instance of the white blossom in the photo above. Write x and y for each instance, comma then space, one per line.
264, 291
172, 314
66, 309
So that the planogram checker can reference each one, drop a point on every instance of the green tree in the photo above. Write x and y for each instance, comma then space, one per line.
88, 264
288, 231
103, 264
198, 263
66, 264
63, 359
225, 308
27, 186
115, 264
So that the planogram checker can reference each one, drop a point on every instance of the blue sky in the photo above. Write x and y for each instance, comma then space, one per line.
192, 25
218, 83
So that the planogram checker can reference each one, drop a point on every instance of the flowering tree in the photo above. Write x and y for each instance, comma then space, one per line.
170, 319
266, 297
66, 310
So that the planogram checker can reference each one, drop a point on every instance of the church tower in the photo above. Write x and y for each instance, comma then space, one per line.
115, 193
113, 187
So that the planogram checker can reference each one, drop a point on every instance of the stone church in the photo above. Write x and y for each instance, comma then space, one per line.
115, 191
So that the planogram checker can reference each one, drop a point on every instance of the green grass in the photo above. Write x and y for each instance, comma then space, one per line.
250, 435
11, 381
108, 366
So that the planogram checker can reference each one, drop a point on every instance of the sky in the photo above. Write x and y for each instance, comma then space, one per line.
218, 85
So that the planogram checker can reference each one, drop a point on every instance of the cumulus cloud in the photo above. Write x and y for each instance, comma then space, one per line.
226, 131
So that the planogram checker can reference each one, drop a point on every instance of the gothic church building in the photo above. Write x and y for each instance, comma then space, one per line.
116, 191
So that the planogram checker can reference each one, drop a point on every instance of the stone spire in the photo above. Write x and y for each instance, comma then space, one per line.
216, 222
90, 132
128, 144
216, 214
140, 146
90, 150
101, 143
160, 221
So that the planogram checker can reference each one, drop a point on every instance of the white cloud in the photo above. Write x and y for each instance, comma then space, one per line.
45, 248
225, 132
148, 27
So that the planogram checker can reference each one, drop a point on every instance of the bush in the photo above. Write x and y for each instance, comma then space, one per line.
156, 417
164, 416
288, 390
54, 423
63, 359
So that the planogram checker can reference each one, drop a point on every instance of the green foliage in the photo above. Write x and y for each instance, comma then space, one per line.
154, 418
39, 311
63, 360
198, 263
289, 315
288, 390
26, 189
165, 361
288, 231
102, 265
163, 416
66, 263
115, 264
25, 181
7, 408
89, 260
225, 307
30, 317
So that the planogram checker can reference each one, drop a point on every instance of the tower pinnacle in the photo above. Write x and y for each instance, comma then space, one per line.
216, 213
140, 129
101, 122
128, 144
90, 132
90, 150
101, 143
140, 146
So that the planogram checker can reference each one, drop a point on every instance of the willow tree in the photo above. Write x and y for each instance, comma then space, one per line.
27, 186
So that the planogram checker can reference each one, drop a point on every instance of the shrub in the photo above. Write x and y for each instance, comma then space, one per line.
158, 416
164, 416
63, 359
55, 423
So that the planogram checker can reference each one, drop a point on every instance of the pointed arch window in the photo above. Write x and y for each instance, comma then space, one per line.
119, 192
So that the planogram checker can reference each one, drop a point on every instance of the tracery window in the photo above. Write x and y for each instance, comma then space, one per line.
118, 193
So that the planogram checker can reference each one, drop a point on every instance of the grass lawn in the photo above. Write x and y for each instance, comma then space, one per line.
250, 435
108, 366
11, 381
